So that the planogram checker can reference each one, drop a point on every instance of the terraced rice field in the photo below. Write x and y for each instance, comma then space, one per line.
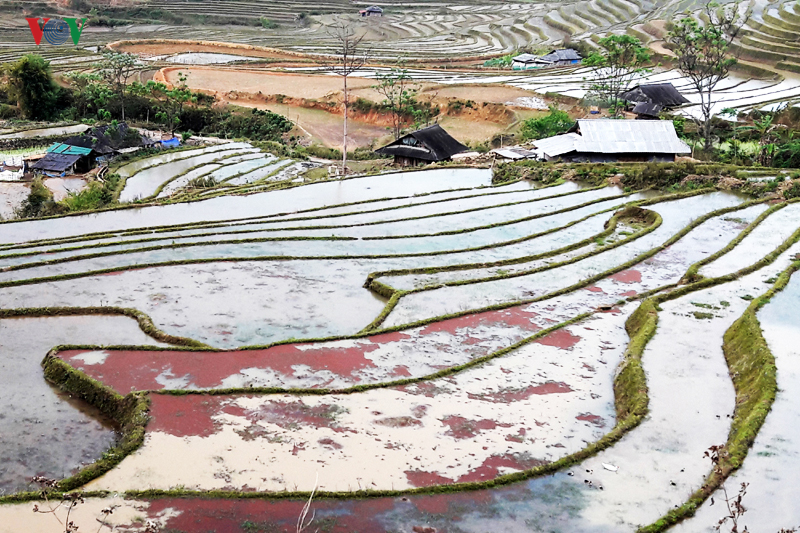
421, 349
464, 34
232, 168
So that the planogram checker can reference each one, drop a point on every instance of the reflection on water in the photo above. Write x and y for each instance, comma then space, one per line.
44, 431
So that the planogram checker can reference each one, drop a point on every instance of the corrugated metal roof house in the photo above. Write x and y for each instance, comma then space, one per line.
423, 146
608, 140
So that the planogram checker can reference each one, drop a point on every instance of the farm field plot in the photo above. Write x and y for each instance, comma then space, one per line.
419, 348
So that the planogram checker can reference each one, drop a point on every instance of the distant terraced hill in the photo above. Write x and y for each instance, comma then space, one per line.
424, 29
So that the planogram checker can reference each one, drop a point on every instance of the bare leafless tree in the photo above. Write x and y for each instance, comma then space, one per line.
349, 56
702, 53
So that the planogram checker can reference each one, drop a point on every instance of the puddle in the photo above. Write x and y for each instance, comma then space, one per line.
132, 168
676, 215
184, 180
762, 240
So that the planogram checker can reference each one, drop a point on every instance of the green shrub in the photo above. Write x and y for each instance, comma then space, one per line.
504, 61
323, 152
39, 203
96, 195
793, 191
555, 122
252, 124
787, 155
268, 24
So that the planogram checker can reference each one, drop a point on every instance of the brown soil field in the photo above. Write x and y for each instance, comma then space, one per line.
307, 96
157, 48
326, 128
495, 94
221, 81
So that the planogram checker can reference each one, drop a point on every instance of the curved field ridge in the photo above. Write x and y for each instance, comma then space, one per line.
568, 368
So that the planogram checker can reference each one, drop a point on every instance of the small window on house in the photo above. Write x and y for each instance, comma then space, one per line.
410, 141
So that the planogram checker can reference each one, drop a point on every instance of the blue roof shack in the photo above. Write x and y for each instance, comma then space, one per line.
62, 159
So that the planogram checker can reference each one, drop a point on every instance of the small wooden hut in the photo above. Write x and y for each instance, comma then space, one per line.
423, 146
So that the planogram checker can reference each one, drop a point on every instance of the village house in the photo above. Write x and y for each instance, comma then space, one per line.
556, 58
648, 100
83, 152
371, 11
612, 140
423, 146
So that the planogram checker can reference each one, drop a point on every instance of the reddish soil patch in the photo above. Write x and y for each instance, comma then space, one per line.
560, 338
290, 415
515, 316
127, 370
398, 422
519, 437
595, 288
183, 416
509, 396
401, 371
629, 293
425, 388
420, 478
551, 387
628, 276
592, 419
342, 516
330, 443
490, 468
463, 428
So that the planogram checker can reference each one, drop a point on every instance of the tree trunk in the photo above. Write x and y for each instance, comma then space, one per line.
344, 138
706, 105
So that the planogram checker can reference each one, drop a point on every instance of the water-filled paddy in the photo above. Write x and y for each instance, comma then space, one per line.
282, 201
523, 408
676, 214
773, 463
44, 431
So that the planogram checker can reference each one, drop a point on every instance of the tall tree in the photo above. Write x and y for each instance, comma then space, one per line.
399, 95
350, 56
620, 61
30, 83
116, 68
702, 54
171, 100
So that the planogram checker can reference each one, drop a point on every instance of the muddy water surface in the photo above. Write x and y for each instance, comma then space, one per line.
43, 431
144, 183
313, 195
772, 466
676, 215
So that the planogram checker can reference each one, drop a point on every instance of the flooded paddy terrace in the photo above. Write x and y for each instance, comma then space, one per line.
487, 343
